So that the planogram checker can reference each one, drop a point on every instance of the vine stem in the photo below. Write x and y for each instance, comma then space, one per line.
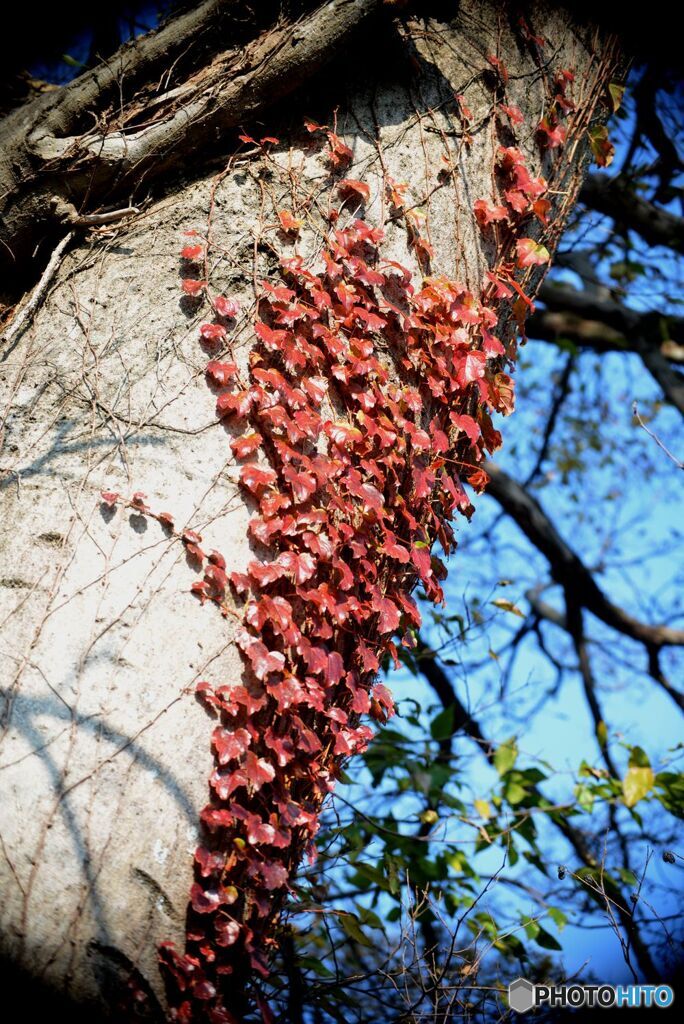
23, 318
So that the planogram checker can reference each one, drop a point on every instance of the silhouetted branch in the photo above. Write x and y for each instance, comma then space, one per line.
464, 722
616, 198
568, 569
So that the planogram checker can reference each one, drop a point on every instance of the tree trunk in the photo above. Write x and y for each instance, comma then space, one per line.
105, 750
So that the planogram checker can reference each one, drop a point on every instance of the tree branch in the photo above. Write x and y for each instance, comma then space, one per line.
591, 321
616, 198
46, 152
560, 394
627, 323
464, 722
569, 570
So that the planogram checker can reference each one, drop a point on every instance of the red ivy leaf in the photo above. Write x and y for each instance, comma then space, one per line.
500, 289
210, 862
423, 248
531, 253
513, 113
213, 332
191, 537
472, 367
301, 566
500, 67
288, 223
215, 580
255, 477
369, 660
192, 252
340, 154
244, 446
228, 308
264, 661
192, 287
389, 616
274, 874
517, 200
487, 213
349, 186
257, 770
220, 373
303, 484
466, 424
552, 135
205, 692
341, 433
230, 746
237, 404
204, 901
540, 208
227, 931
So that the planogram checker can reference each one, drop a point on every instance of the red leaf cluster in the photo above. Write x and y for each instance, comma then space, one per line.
348, 505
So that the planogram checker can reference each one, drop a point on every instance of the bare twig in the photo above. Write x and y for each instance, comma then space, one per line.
635, 411
25, 315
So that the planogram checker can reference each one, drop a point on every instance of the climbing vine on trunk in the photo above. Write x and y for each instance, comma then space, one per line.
365, 408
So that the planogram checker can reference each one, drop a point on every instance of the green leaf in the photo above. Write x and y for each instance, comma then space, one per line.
352, 927
392, 872
601, 146
671, 792
638, 758
506, 755
558, 917
637, 783
369, 917
515, 793
483, 808
71, 61
602, 733
442, 725
312, 963
547, 941
585, 798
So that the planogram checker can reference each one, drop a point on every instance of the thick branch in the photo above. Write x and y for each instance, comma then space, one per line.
41, 160
615, 198
670, 380
567, 568
591, 321
626, 322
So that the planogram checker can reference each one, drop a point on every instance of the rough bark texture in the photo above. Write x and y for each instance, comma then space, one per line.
105, 752
54, 161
